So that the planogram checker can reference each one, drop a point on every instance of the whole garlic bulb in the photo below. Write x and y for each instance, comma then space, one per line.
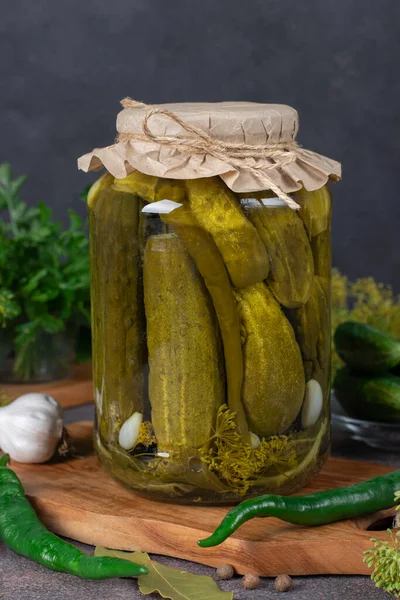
31, 428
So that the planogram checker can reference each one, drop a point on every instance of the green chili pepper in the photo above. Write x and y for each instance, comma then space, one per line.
313, 509
21, 530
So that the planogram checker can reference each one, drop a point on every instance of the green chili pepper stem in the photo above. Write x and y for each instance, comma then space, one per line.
21, 531
313, 509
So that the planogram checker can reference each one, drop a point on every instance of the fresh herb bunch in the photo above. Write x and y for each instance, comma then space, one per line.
363, 301
44, 273
384, 558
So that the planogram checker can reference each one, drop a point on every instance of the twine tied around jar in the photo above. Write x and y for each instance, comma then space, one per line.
236, 154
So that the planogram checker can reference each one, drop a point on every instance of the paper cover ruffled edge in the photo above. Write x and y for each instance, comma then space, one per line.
310, 170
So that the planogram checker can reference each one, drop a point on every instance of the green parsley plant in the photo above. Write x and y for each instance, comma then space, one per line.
44, 275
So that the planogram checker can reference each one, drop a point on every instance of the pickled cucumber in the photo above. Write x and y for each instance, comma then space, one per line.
203, 250
118, 324
139, 184
186, 384
274, 383
315, 210
218, 212
170, 189
291, 260
321, 249
311, 323
152, 188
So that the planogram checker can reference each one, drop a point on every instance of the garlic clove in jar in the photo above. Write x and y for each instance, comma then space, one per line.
254, 440
313, 403
31, 428
129, 431
162, 207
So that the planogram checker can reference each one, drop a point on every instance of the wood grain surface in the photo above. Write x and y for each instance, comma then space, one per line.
77, 499
72, 392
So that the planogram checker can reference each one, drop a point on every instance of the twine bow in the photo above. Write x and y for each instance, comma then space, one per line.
236, 154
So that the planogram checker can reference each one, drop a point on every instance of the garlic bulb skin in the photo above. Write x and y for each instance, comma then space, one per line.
31, 428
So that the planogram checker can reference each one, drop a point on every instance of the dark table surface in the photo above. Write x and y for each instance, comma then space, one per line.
21, 579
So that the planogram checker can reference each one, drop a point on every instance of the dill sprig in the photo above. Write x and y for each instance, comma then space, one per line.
238, 463
384, 558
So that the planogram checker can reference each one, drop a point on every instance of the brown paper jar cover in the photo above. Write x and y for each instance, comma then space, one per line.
229, 122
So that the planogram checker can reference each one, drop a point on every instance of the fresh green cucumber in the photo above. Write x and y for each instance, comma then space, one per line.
365, 348
375, 398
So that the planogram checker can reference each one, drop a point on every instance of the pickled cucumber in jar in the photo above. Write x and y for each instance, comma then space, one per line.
274, 384
218, 211
315, 210
311, 324
186, 379
118, 321
291, 261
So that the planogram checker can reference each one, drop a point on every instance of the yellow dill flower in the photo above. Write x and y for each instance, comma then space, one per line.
225, 429
277, 451
234, 466
146, 435
238, 464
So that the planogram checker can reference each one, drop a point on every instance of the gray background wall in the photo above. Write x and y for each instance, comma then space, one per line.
65, 65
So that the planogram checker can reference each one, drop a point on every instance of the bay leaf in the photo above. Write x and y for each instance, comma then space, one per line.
169, 582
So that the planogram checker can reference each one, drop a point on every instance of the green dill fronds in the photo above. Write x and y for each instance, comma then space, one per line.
225, 429
276, 451
237, 463
384, 558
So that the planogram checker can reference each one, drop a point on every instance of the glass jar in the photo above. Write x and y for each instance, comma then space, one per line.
211, 337
210, 302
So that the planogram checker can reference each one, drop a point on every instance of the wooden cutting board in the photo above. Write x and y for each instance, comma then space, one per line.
77, 499
74, 391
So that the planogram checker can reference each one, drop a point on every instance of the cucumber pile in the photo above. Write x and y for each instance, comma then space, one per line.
368, 387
